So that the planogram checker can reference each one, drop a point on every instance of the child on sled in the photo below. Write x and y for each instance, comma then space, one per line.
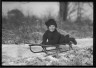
53, 37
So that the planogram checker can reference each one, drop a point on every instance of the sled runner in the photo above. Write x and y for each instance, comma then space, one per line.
41, 45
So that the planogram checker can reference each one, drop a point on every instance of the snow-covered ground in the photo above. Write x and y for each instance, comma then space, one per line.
84, 42
23, 51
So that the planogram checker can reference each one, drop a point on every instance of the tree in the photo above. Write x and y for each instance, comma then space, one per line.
16, 18
64, 10
77, 9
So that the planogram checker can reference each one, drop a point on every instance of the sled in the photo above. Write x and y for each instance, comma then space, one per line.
57, 50
41, 45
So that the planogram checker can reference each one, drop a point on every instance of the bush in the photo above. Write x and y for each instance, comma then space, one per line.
27, 31
36, 36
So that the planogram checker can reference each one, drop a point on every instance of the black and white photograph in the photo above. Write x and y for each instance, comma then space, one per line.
47, 33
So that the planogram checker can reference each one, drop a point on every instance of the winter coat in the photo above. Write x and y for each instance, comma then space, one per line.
52, 38
67, 40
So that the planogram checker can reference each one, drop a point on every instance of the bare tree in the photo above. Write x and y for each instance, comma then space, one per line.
77, 7
64, 10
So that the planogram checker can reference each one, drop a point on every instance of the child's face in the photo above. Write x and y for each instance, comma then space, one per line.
52, 28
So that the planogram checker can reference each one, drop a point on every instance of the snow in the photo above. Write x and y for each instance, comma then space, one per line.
22, 51
14, 50
86, 42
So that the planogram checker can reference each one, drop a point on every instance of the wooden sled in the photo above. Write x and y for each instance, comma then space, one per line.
41, 45
69, 41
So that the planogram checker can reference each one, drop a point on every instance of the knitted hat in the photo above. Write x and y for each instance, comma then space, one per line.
51, 22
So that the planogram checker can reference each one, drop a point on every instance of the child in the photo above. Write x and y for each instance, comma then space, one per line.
52, 36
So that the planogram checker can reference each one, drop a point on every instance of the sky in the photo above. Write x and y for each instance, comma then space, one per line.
41, 9
32, 8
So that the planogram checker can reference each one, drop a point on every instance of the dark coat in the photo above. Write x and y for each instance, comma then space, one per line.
57, 38
67, 40
53, 37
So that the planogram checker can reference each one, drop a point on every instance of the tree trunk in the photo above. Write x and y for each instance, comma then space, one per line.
79, 13
63, 10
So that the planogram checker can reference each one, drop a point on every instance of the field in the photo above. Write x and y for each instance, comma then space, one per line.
82, 55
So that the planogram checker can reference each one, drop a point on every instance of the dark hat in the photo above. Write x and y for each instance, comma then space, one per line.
51, 22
